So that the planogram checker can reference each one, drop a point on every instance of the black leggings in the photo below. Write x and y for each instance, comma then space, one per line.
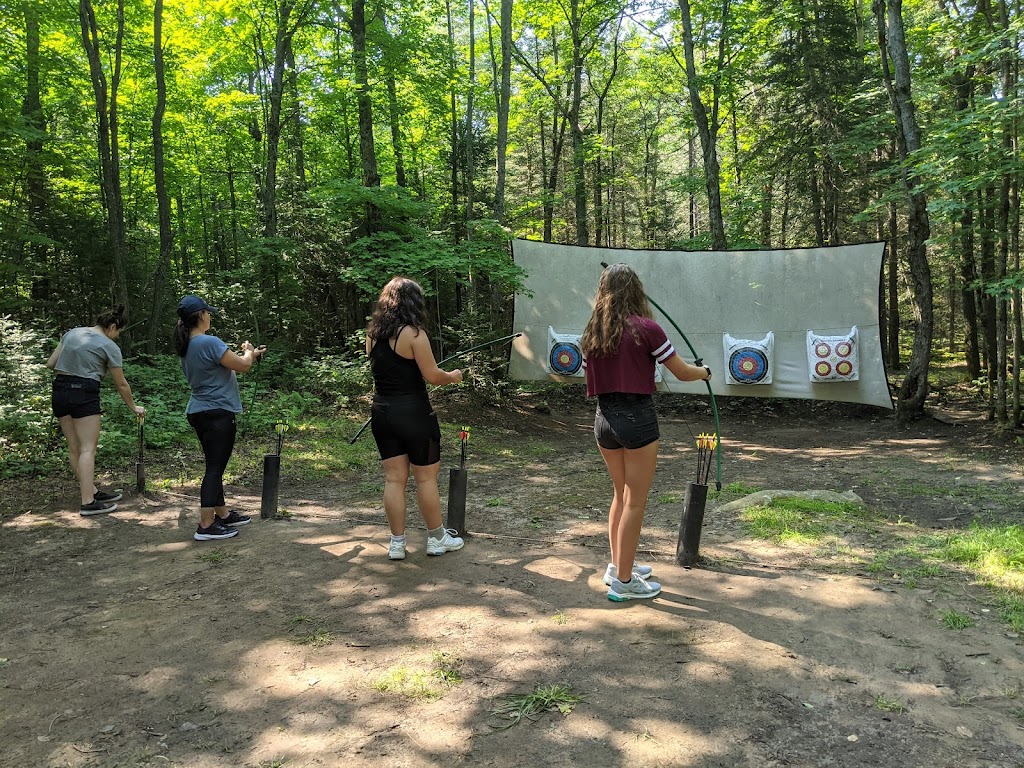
216, 431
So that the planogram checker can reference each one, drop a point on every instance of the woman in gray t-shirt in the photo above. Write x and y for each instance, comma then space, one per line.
81, 360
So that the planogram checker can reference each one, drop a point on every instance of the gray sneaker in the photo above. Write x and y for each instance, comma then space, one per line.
611, 572
634, 589
449, 542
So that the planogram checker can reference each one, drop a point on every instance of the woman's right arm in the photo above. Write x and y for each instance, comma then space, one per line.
241, 363
52, 362
683, 371
424, 357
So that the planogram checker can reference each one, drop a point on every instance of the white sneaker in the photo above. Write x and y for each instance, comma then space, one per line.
449, 542
396, 550
643, 571
634, 589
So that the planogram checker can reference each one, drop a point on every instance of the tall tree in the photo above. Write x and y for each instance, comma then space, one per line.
896, 75
160, 184
107, 117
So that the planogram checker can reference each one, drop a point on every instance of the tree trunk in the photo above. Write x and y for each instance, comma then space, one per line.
364, 103
893, 48
162, 201
109, 155
503, 107
707, 128
35, 179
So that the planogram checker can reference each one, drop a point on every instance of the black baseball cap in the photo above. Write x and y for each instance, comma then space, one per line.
190, 304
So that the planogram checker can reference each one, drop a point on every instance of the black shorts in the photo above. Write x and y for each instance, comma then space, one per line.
406, 426
75, 396
625, 420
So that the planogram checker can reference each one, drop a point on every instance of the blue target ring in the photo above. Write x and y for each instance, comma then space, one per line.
565, 358
748, 366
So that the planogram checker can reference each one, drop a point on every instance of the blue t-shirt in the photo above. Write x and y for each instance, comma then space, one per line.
213, 385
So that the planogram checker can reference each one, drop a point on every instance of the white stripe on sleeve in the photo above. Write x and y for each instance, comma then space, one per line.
664, 352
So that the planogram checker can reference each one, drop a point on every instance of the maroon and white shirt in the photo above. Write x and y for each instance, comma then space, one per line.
631, 369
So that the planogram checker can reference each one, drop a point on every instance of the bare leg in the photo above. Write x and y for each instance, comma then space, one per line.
83, 436
396, 475
208, 514
632, 472
428, 497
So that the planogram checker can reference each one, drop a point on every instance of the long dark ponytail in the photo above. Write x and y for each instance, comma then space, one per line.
115, 316
183, 331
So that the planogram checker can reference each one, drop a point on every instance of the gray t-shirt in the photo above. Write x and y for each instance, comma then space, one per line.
87, 353
213, 385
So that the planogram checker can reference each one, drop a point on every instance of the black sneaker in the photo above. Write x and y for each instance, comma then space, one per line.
234, 519
215, 531
97, 507
114, 496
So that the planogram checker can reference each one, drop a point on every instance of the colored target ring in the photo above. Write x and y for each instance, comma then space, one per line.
822, 368
748, 366
565, 358
821, 349
844, 367
844, 348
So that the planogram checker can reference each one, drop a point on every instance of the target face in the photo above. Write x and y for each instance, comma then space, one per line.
844, 348
844, 367
822, 368
821, 349
748, 366
565, 359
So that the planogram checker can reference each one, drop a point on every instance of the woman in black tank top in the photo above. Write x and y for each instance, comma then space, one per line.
403, 423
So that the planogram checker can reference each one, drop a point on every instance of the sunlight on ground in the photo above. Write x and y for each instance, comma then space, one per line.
555, 568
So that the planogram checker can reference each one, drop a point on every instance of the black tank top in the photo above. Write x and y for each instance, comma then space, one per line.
394, 375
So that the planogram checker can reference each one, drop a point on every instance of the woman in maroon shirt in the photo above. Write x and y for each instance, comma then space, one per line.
621, 345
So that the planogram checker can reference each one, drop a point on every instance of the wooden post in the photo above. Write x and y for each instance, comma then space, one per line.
691, 524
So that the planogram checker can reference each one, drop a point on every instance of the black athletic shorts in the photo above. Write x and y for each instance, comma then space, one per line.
406, 425
625, 420
75, 396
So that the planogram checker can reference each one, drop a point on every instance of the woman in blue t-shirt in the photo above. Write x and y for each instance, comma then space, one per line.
621, 345
81, 360
210, 368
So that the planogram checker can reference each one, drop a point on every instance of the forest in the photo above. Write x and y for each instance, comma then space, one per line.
282, 158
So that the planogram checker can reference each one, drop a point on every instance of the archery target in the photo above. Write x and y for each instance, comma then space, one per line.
564, 355
833, 358
748, 361
565, 358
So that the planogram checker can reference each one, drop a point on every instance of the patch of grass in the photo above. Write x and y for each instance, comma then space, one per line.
561, 618
448, 668
216, 556
1011, 610
889, 705
1019, 713
995, 553
283, 514
529, 706
496, 502
310, 631
670, 498
798, 521
953, 620
422, 684
737, 490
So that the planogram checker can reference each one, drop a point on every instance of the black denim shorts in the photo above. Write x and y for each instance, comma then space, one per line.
625, 420
75, 396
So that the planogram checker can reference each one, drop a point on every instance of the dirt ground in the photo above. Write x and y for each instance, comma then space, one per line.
125, 643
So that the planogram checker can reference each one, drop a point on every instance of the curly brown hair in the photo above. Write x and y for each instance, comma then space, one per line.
620, 295
401, 303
